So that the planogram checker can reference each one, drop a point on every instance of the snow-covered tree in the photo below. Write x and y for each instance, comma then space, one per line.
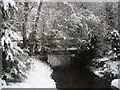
13, 67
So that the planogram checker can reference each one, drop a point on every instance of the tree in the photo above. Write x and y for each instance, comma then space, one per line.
12, 67
33, 35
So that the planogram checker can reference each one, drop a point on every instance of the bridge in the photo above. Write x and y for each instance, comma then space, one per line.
65, 51
65, 47
69, 46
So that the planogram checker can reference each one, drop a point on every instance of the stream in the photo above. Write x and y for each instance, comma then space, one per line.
75, 76
68, 77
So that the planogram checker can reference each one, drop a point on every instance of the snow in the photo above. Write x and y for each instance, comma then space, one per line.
7, 2
115, 32
13, 35
103, 59
9, 55
53, 60
93, 17
76, 19
116, 83
7, 40
72, 48
109, 66
16, 49
39, 77
13, 71
98, 73
2, 82
9, 37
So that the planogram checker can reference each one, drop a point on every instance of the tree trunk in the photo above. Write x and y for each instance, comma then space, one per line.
109, 15
38, 13
0, 46
24, 24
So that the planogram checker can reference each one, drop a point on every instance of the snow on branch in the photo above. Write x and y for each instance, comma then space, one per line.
8, 3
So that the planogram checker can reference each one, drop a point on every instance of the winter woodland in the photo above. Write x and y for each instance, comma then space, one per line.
59, 44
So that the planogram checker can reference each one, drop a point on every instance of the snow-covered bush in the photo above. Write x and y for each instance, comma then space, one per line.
114, 39
107, 68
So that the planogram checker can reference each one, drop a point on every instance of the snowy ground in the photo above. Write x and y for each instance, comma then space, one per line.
116, 83
38, 77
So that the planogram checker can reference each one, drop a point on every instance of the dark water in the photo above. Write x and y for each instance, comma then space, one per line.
77, 75
69, 77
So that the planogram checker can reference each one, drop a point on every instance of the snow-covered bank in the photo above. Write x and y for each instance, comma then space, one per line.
38, 77
109, 66
116, 83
